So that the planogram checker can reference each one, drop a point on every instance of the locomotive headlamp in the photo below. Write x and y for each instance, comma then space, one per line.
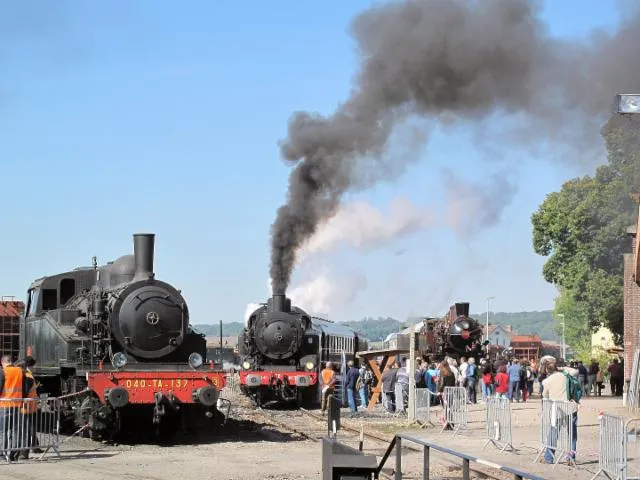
246, 365
309, 366
628, 103
195, 360
119, 360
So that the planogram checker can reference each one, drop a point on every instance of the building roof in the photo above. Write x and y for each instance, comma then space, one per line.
525, 339
506, 328
11, 308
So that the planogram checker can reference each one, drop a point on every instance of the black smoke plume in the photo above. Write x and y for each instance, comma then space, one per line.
461, 59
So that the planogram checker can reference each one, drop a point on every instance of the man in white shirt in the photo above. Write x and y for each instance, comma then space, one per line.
555, 388
462, 378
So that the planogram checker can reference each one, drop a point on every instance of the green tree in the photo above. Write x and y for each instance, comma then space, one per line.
582, 230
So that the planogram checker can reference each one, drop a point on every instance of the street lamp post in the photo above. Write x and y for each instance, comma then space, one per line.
487, 337
564, 346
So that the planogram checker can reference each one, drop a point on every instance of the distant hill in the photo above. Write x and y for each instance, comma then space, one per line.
537, 323
376, 329
232, 329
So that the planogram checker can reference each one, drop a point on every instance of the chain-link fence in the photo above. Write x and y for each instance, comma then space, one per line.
454, 403
498, 423
558, 431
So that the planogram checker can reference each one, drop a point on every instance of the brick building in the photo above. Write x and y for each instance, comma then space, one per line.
10, 312
631, 302
526, 347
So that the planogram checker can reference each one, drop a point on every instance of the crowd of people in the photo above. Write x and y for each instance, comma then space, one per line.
509, 378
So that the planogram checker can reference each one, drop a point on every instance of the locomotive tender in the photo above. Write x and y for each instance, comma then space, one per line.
283, 349
113, 340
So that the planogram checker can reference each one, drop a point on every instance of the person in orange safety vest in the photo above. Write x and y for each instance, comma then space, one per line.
12, 391
30, 407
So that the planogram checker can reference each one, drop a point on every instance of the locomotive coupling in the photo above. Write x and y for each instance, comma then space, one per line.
118, 397
207, 396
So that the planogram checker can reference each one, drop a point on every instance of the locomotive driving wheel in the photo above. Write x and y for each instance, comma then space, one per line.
98, 417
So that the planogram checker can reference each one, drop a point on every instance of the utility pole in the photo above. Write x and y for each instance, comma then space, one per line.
487, 335
564, 346
411, 408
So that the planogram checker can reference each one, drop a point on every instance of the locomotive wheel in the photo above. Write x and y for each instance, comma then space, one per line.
100, 418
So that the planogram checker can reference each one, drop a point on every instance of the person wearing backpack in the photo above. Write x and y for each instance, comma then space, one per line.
364, 381
562, 384
472, 376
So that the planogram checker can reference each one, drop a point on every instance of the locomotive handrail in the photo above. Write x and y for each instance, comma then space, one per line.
427, 446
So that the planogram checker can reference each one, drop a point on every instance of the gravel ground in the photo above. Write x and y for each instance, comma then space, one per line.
246, 449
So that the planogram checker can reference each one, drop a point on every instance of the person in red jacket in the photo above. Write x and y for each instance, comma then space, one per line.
502, 382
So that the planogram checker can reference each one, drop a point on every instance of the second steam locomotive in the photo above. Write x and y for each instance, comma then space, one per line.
282, 351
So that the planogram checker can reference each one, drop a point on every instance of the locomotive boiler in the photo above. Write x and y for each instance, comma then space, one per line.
114, 342
282, 350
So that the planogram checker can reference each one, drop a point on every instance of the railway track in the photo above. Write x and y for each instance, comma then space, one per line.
312, 426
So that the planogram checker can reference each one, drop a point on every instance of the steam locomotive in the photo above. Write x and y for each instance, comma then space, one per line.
283, 349
113, 341
456, 335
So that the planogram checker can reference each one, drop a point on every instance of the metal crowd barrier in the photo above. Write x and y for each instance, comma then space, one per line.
498, 423
557, 430
633, 393
423, 403
454, 403
28, 425
401, 401
612, 442
400, 438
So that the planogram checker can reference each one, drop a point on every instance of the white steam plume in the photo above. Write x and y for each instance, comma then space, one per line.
361, 225
328, 292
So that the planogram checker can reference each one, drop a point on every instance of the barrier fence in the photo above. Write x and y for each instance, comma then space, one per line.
633, 393
423, 402
498, 423
27, 425
454, 403
558, 431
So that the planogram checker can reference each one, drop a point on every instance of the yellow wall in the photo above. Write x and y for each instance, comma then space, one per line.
602, 339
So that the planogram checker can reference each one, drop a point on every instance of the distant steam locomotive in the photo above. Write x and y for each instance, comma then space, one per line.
456, 335
282, 350
113, 340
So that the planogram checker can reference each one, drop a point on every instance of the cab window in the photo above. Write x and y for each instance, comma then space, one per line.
32, 301
49, 299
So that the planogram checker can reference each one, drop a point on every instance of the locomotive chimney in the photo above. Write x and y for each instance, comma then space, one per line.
279, 302
462, 309
143, 244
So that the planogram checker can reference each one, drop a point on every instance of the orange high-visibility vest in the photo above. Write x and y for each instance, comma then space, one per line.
12, 387
32, 405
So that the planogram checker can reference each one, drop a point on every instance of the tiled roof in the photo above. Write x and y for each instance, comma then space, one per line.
526, 339
11, 308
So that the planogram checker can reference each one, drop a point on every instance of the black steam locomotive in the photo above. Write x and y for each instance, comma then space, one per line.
113, 341
283, 349
456, 335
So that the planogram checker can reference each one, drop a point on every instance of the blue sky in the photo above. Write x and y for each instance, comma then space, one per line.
143, 116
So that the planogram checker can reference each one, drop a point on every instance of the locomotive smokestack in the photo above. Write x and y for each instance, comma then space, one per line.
462, 309
143, 245
279, 302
